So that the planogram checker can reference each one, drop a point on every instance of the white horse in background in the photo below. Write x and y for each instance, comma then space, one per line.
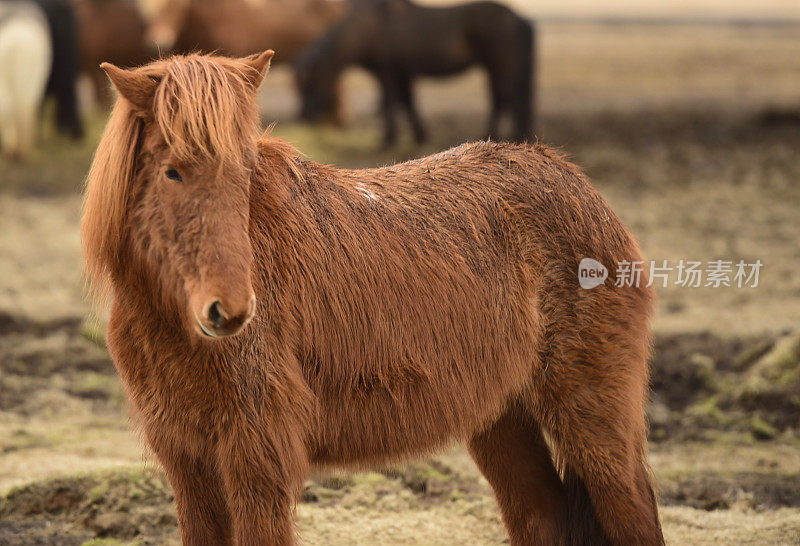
25, 62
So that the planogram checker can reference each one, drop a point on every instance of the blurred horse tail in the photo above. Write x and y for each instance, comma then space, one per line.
25, 60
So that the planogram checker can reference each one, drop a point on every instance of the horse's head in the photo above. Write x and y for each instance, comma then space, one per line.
187, 208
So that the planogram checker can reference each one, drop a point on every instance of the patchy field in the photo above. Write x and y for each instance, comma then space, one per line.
690, 132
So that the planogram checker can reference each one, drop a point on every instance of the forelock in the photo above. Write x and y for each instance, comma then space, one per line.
205, 108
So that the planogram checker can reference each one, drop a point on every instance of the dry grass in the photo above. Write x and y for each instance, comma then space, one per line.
40, 273
478, 525
382, 508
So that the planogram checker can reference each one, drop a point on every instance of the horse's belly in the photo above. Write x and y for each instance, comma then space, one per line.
453, 59
388, 420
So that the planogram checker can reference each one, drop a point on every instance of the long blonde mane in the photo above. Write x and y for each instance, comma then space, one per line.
205, 110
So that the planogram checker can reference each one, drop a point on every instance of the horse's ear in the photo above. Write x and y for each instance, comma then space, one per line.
260, 64
137, 88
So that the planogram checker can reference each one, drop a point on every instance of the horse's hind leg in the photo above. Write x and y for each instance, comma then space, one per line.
514, 457
593, 409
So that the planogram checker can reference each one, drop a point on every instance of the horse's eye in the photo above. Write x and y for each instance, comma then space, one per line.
173, 174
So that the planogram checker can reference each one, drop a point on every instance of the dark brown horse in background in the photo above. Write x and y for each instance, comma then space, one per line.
398, 41
271, 315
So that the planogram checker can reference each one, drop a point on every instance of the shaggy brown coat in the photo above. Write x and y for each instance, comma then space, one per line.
397, 309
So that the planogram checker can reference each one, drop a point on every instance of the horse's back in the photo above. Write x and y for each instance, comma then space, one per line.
522, 213
522, 193
497, 33
527, 179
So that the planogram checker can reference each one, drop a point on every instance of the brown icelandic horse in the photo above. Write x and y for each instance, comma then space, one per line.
272, 315
242, 27
398, 41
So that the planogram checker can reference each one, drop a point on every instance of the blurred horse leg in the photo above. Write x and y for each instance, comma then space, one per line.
524, 88
390, 96
407, 98
516, 461
501, 100
523, 115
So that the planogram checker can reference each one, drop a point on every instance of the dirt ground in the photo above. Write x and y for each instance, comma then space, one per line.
690, 132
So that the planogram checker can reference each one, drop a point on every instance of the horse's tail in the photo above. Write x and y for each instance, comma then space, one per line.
582, 525
525, 100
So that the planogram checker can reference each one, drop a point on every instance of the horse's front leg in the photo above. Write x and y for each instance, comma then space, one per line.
200, 498
264, 471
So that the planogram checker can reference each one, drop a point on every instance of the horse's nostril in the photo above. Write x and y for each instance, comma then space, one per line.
215, 314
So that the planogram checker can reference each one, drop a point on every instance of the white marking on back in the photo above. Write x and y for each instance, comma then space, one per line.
368, 194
